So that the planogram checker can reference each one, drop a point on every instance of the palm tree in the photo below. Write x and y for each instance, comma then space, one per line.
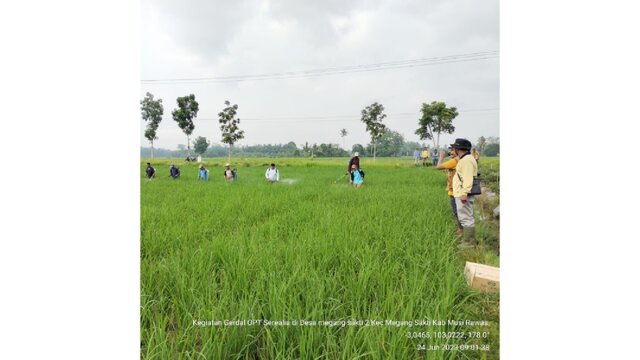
343, 133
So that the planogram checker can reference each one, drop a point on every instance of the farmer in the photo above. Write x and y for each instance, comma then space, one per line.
425, 156
150, 172
355, 160
203, 173
416, 156
174, 172
229, 175
436, 156
466, 170
272, 174
357, 176
450, 166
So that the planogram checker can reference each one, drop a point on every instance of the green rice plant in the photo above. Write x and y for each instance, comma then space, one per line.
309, 248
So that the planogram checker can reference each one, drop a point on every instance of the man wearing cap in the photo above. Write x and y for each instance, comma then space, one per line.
228, 173
466, 170
203, 173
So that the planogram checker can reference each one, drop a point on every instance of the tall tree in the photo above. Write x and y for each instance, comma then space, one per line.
482, 142
390, 143
229, 125
372, 116
436, 118
152, 111
358, 148
492, 149
343, 133
200, 145
185, 113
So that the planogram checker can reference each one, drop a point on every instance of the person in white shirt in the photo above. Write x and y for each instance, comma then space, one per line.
229, 175
272, 174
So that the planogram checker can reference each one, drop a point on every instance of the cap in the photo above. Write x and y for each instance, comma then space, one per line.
356, 154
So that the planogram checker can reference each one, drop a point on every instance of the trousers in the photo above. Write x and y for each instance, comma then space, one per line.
465, 212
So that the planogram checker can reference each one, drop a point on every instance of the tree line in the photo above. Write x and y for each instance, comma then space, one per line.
436, 119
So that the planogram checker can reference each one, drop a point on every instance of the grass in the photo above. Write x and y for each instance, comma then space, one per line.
313, 249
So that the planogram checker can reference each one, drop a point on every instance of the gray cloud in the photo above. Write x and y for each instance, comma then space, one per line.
202, 38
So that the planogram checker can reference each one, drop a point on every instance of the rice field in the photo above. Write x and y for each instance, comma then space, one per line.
308, 268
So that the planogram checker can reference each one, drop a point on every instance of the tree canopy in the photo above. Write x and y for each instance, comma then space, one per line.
436, 118
231, 133
200, 145
152, 111
372, 116
185, 113
391, 143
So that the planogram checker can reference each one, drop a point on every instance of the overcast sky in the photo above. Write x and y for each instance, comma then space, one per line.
200, 39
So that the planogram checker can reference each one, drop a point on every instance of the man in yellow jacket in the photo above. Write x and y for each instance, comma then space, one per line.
450, 166
425, 156
466, 170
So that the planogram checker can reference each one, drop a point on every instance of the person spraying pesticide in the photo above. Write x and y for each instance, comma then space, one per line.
355, 160
203, 174
357, 176
174, 172
272, 174
230, 175
150, 172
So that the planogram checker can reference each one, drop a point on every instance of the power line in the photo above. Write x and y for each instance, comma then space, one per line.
334, 70
334, 117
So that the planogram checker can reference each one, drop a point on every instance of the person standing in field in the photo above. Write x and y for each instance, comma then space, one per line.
229, 174
174, 172
357, 176
150, 172
425, 156
416, 156
203, 173
272, 174
466, 170
450, 166
436, 156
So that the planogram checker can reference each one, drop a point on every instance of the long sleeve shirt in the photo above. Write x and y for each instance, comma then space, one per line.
466, 170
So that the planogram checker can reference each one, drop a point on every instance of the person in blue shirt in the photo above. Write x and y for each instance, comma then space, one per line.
435, 156
416, 156
203, 174
357, 176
